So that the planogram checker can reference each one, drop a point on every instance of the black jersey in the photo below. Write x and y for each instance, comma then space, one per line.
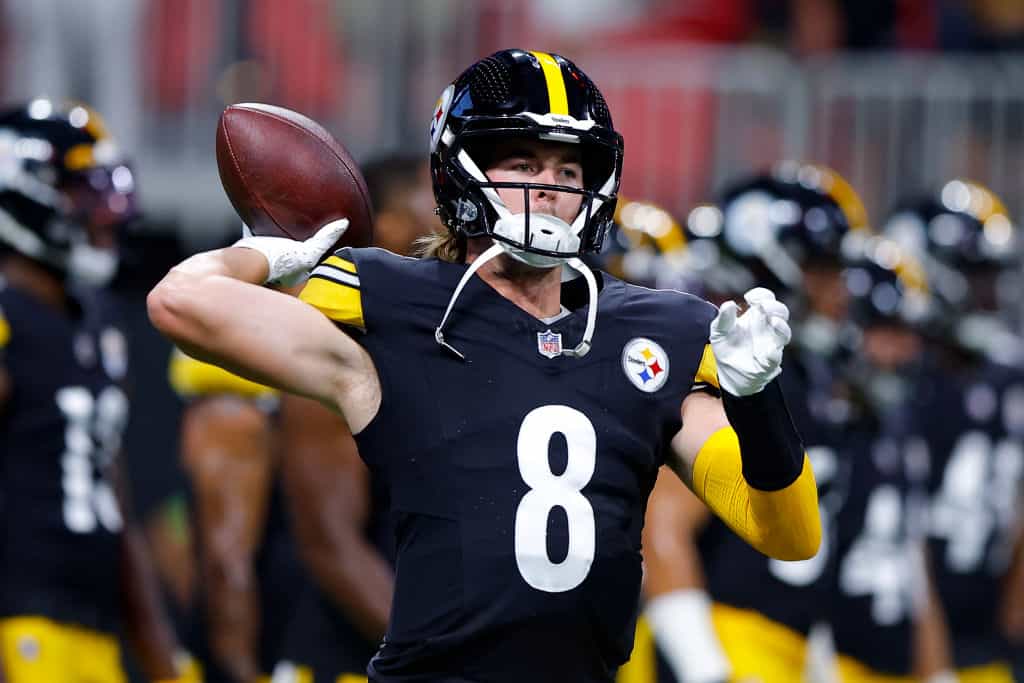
59, 433
279, 572
880, 531
977, 423
794, 594
518, 481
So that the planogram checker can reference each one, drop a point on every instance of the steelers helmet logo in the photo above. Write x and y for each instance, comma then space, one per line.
439, 119
645, 364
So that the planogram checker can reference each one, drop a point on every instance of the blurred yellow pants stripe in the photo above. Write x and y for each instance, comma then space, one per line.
40, 650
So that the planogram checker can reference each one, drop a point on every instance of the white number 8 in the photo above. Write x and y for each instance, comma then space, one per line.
548, 490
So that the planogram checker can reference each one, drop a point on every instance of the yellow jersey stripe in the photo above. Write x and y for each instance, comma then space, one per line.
339, 262
339, 302
707, 371
558, 101
5, 331
190, 377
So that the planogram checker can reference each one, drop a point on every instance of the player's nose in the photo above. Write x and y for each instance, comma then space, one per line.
548, 175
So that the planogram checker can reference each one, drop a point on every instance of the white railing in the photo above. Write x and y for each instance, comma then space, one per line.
692, 116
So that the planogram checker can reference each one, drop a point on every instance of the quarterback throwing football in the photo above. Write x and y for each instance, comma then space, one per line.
516, 405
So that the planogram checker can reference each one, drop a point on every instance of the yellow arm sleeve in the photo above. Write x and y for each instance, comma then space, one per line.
333, 289
784, 524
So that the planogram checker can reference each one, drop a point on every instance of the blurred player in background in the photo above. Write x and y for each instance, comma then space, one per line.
344, 536
74, 571
248, 566
885, 621
646, 246
973, 398
718, 609
403, 202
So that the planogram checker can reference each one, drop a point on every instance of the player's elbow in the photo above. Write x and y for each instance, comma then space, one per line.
789, 519
798, 543
168, 306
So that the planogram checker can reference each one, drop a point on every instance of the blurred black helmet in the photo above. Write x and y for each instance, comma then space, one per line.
534, 95
780, 223
968, 245
647, 246
65, 190
768, 228
886, 284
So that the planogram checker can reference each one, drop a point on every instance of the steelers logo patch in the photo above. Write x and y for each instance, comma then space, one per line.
645, 364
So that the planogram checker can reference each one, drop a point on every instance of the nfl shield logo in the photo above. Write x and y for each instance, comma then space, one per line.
549, 344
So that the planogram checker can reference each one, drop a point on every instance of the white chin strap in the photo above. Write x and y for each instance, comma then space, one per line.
497, 249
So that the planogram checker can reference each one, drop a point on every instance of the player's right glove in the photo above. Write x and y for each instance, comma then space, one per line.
289, 261
748, 347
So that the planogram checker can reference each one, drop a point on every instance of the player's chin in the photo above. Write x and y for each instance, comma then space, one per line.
512, 268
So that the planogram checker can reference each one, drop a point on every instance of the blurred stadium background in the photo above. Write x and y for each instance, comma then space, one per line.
896, 96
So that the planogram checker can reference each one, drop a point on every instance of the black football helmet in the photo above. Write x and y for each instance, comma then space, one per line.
65, 189
968, 244
768, 229
780, 223
647, 246
537, 95
886, 284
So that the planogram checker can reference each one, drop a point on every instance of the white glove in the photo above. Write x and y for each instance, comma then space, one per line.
748, 347
289, 261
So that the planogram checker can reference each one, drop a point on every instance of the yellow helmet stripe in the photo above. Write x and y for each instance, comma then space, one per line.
557, 99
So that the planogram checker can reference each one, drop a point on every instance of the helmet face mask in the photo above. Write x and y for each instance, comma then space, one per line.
65, 191
534, 96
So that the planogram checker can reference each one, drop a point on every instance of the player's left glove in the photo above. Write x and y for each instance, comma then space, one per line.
289, 261
748, 347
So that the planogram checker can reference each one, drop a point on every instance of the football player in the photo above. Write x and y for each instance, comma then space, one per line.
885, 622
74, 572
718, 609
343, 535
247, 562
975, 402
403, 203
647, 246
517, 431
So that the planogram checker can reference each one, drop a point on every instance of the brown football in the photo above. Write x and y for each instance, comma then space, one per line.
287, 176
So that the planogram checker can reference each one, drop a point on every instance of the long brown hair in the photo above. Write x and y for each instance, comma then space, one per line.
446, 245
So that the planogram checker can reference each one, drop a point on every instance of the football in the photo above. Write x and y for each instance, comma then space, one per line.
286, 176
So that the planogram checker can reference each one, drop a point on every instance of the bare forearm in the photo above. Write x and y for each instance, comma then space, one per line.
234, 616
671, 559
358, 580
149, 631
212, 309
932, 647
237, 263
